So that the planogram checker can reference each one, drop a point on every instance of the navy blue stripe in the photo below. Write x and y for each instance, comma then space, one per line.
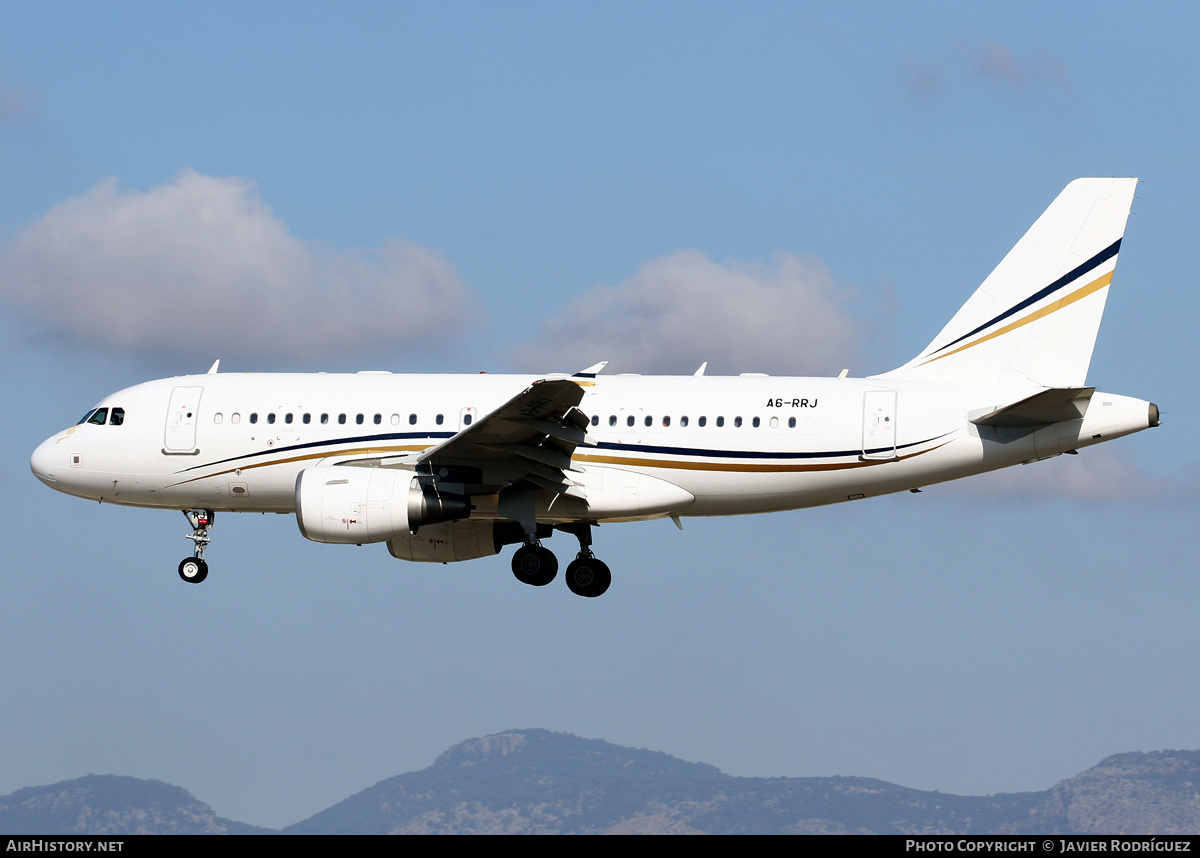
747, 454
702, 452
1104, 255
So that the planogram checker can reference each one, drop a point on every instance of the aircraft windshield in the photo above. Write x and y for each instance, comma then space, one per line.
99, 416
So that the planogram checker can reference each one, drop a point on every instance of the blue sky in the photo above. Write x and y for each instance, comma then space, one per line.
464, 186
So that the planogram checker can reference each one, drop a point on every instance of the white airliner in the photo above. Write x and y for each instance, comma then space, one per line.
453, 467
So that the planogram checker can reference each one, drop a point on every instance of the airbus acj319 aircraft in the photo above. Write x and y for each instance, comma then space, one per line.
454, 467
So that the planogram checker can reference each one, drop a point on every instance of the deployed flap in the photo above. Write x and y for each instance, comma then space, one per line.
534, 433
1055, 405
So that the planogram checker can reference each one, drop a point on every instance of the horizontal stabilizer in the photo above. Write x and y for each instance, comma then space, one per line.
1055, 405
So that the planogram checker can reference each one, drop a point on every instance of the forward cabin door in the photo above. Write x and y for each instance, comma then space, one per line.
182, 416
879, 424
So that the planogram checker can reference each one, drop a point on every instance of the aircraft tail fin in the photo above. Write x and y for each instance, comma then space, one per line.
1034, 319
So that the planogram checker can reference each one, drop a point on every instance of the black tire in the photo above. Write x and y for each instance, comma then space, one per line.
588, 577
193, 570
534, 565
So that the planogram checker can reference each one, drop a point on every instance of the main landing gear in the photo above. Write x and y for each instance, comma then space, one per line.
193, 569
586, 576
534, 564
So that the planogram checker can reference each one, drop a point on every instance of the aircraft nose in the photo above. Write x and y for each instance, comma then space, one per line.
42, 462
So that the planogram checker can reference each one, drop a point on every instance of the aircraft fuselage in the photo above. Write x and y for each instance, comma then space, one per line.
730, 445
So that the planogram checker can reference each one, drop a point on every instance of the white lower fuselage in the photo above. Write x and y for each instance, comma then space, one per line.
657, 446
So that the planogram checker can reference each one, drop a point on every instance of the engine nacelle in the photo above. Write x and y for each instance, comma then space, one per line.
447, 542
348, 505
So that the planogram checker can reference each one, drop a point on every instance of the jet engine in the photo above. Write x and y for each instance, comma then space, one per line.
450, 541
347, 504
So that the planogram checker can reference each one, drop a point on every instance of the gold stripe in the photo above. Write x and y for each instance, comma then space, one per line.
1095, 286
598, 459
322, 455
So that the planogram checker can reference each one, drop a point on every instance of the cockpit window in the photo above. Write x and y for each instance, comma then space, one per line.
86, 415
117, 417
99, 416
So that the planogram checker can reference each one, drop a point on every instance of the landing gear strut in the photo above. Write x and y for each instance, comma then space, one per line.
533, 564
586, 576
193, 569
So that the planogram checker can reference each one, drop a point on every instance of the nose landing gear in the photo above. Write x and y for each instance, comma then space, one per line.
193, 569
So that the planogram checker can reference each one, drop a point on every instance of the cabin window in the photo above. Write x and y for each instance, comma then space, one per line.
439, 419
218, 417
595, 419
271, 417
612, 420
358, 418
757, 422
395, 419
791, 422
99, 416
378, 419
341, 419
774, 422
737, 422
703, 421
649, 420
683, 421
666, 421
235, 417
117, 418
307, 418
288, 417
253, 416
629, 421
720, 421
412, 420
324, 419
467, 418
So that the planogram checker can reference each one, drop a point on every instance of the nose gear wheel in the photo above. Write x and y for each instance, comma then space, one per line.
194, 569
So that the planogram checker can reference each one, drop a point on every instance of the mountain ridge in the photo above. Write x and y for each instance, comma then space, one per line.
535, 781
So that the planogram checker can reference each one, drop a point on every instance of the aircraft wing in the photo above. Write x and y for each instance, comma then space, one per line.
531, 437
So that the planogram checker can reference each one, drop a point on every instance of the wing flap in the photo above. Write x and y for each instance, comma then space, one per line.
530, 438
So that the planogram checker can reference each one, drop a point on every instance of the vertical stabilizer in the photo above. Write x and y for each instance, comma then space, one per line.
1034, 319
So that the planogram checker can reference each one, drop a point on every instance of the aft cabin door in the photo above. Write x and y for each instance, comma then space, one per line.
879, 424
182, 415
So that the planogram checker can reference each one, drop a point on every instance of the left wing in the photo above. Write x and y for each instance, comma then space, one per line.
531, 437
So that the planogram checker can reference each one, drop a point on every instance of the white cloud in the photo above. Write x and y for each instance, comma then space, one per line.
200, 267
785, 317
987, 60
1104, 473
993, 59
